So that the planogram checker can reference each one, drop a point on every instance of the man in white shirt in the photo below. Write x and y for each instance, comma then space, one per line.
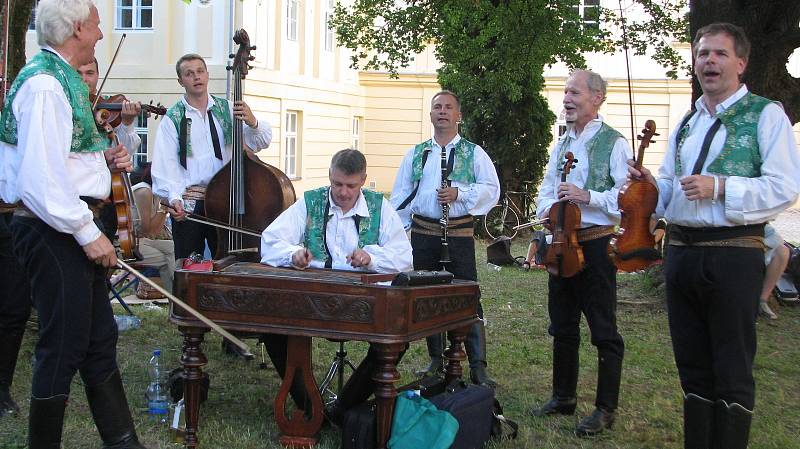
731, 166
341, 226
55, 165
419, 196
593, 185
193, 143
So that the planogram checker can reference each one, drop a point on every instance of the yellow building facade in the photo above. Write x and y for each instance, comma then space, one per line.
302, 84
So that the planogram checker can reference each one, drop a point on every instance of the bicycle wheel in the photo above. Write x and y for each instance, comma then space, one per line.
501, 221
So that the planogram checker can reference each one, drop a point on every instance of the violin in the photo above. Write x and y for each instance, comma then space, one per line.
565, 255
121, 195
633, 248
113, 106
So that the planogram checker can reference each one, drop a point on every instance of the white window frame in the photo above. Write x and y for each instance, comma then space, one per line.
583, 8
355, 133
292, 8
290, 148
141, 129
136, 9
329, 36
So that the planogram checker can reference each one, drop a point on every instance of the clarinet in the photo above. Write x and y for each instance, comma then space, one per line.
444, 221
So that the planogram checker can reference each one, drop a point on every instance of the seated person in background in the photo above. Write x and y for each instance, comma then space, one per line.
537, 250
155, 239
341, 226
776, 257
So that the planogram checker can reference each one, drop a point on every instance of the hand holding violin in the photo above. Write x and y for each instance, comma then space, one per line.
640, 174
571, 192
118, 157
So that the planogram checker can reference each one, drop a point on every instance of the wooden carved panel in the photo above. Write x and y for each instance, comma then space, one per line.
286, 303
428, 307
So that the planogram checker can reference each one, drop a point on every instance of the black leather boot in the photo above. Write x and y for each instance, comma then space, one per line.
698, 422
609, 374
565, 382
9, 349
595, 423
111, 414
46, 422
476, 353
731, 426
435, 351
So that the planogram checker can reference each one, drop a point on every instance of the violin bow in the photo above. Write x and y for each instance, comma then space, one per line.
108, 70
630, 89
214, 326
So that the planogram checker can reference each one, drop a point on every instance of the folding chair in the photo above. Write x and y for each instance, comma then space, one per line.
121, 282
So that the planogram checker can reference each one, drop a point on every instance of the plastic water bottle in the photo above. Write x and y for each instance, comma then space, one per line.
157, 403
125, 322
494, 267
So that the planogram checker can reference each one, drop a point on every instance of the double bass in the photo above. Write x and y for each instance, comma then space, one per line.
565, 255
246, 193
633, 248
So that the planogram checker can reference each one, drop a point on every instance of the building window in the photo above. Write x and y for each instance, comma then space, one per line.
589, 12
290, 145
561, 124
330, 41
141, 129
134, 15
356, 134
291, 20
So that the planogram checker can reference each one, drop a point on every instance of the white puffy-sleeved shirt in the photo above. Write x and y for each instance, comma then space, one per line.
284, 236
747, 200
42, 172
170, 179
473, 199
602, 209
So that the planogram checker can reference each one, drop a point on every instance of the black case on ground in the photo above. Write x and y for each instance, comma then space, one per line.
358, 427
472, 406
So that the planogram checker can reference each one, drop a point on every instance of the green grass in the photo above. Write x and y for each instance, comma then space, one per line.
239, 411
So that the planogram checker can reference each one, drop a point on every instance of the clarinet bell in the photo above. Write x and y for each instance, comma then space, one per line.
445, 255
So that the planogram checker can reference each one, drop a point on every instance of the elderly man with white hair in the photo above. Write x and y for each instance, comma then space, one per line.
54, 165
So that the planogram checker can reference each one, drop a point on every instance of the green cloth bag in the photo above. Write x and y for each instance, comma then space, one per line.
417, 423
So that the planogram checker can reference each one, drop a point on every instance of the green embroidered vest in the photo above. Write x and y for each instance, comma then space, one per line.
316, 207
599, 149
740, 155
220, 110
85, 136
463, 168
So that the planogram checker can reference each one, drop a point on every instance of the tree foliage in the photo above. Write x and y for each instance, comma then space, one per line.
493, 54
18, 26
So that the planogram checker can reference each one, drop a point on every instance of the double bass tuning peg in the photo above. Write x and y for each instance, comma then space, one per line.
253, 48
231, 55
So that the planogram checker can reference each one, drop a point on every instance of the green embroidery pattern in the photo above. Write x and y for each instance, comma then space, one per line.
599, 149
740, 155
368, 227
220, 110
85, 136
463, 162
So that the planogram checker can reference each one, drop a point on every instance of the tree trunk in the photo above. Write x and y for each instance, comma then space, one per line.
17, 29
772, 27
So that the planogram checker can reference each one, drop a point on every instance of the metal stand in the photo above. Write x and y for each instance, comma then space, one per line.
340, 361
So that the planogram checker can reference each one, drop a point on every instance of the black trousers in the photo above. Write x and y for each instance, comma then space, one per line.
712, 299
593, 291
15, 296
77, 331
426, 251
190, 236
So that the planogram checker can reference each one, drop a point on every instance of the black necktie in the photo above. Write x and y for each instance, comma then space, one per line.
214, 136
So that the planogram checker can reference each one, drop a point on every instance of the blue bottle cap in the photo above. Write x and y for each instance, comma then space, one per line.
157, 352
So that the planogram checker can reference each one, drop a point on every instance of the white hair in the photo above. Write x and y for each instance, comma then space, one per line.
56, 19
